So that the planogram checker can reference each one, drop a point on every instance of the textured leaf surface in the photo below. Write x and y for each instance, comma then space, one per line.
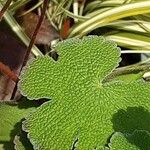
82, 106
139, 140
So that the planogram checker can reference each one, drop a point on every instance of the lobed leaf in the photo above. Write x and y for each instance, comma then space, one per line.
83, 111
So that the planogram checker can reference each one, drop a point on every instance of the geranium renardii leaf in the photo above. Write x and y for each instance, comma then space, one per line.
82, 107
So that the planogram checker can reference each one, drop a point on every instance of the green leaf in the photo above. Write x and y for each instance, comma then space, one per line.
79, 62
138, 140
102, 19
83, 110
131, 40
11, 116
22, 142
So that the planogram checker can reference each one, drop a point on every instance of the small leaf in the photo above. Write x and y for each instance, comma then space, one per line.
11, 116
22, 143
82, 107
138, 140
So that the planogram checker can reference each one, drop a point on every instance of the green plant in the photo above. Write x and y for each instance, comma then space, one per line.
126, 22
86, 107
93, 105
127, 141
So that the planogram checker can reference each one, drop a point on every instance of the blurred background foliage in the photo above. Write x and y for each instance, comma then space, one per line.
127, 22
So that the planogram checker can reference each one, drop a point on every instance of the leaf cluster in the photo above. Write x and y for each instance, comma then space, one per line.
84, 111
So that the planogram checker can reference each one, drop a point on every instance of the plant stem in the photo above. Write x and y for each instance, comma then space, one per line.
6, 71
32, 40
135, 51
5, 8
18, 31
35, 32
130, 70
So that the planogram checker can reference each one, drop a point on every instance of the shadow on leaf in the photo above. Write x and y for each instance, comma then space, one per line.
8, 145
140, 138
130, 121
134, 118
